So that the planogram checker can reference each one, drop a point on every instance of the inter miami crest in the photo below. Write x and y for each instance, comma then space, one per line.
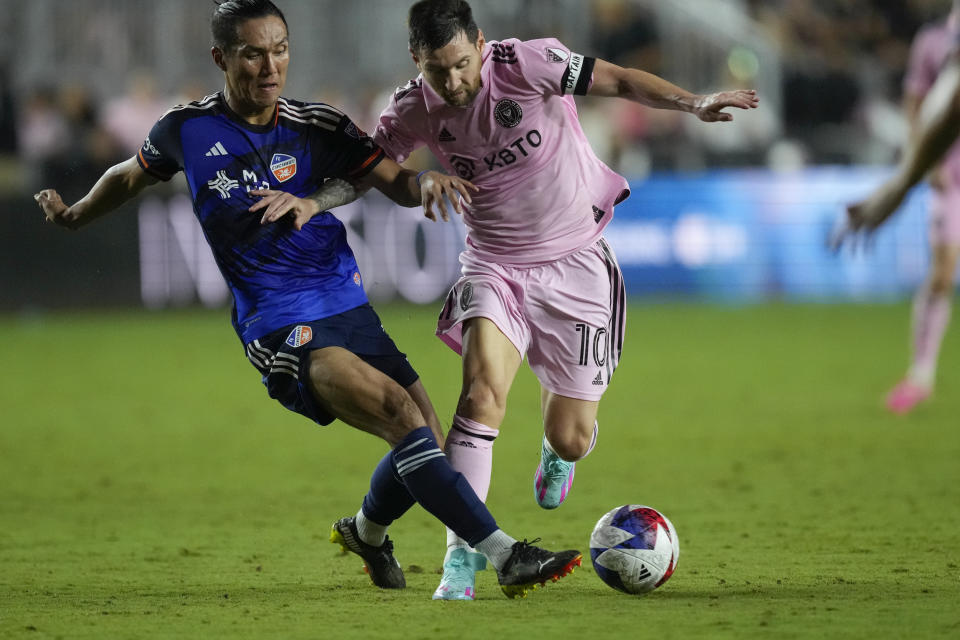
466, 295
508, 113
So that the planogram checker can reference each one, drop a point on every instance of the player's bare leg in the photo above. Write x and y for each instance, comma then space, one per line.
362, 396
419, 396
931, 315
570, 433
490, 363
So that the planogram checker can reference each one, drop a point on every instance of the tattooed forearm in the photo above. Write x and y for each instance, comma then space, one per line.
335, 193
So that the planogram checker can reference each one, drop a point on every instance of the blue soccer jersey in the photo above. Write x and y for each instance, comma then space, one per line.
278, 275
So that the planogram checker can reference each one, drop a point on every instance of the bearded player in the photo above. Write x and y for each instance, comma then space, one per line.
539, 281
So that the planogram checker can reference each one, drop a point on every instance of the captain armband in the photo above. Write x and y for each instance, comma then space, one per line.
576, 79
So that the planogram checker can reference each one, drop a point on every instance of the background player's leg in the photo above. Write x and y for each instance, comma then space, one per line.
931, 315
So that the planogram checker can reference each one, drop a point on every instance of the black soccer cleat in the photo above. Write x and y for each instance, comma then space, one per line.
529, 566
378, 562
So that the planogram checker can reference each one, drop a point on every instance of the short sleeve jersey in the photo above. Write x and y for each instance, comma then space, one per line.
543, 192
933, 45
278, 276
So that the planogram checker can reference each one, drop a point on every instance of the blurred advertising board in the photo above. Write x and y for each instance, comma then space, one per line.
754, 235
737, 236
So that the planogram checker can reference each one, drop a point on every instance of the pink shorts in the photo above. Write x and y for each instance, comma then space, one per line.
945, 218
566, 317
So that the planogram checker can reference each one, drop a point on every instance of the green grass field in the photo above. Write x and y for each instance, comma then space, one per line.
149, 488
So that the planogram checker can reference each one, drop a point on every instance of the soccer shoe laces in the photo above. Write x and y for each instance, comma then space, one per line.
387, 545
524, 550
557, 468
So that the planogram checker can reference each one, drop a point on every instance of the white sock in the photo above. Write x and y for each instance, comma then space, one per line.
369, 531
497, 547
593, 440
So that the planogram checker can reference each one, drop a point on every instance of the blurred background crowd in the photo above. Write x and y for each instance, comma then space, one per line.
736, 211
81, 83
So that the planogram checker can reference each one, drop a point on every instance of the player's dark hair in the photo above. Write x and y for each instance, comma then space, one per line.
230, 14
434, 23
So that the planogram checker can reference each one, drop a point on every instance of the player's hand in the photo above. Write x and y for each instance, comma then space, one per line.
864, 217
434, 185
710, 108
55, 210
277, 204
844, 234
869, 214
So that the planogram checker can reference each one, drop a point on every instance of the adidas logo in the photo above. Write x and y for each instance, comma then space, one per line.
599, 379
446, 136
644, 572
598, 213
217, 150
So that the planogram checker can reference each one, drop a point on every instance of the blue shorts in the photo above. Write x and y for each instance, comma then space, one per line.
282, 357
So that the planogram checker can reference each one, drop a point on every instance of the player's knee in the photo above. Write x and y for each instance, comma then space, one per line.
397, 407
482, 401
570, 444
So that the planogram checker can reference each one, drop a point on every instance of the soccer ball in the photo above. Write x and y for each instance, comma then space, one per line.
634, 549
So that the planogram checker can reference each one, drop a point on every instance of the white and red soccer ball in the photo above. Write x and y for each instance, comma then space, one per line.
634, 549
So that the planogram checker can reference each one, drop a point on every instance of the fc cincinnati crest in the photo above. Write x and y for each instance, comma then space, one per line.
466, 295
508, 113
300, 336
283, 166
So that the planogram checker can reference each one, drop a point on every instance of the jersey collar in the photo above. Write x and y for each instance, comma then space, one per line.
256, 128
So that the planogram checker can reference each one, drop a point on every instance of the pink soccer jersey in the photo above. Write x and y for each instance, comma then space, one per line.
928, 54
543, 193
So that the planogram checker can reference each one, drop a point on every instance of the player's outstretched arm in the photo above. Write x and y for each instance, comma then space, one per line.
612, 81
277, 204
409, 189
117, 185
937, 127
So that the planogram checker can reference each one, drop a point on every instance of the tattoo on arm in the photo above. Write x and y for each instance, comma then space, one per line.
335, 193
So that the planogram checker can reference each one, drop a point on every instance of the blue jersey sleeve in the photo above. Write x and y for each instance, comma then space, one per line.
162, 154
358, 153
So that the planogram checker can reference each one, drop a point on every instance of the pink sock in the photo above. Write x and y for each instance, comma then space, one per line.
931, 315
469, 449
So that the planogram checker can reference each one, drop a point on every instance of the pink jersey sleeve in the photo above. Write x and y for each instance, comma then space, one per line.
549, 67
925, 61
392, 134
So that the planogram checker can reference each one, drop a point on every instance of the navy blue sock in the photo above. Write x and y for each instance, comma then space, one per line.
445, 493
388, 498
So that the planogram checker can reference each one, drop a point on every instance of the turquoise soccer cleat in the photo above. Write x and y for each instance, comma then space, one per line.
553, 479
459, 575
